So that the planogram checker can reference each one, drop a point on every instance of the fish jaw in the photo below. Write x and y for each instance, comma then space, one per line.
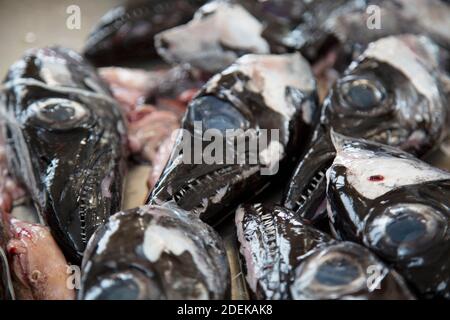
272, 240
55, 97
258, 94
305, 193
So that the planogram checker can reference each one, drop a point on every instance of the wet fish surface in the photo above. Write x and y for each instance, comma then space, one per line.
257, 92
232, 32
126, 32
155, 252
286, 258
66, 139
330, 26
397, 206
381, 97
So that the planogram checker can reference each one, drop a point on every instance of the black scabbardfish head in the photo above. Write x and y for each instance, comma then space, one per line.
391, 94
65, 138
272, 239
155, 252
396, 205
287, 258
259, 113
126, 31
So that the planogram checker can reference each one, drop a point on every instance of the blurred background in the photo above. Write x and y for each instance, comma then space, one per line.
35, 23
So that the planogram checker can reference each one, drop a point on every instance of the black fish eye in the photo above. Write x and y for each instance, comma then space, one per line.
126, 285
338, 271
58, 113
405, 230
214, 113
361, 94
329, 274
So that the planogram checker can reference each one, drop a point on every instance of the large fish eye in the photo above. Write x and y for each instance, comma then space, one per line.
128, 285
58, 113
362, 95
405, 230
214, 113
328, 274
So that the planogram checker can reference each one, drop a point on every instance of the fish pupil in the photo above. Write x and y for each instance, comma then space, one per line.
217, 114
362, 96
405, 229
337, 272
120, 290
58, 112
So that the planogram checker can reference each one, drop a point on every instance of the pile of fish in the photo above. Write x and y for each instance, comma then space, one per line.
337, 202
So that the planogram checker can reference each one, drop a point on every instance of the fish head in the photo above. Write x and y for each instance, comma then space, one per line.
168, 254
108, 276
272, 239
126, 31
392, 94
394, 204
232, 32
259, 113
67, 144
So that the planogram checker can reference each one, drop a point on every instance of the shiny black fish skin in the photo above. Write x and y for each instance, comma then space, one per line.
402, 216
268, 236
66, 143
156, 253
241, 97
126, 31
330, 25
377, 98
286, 258
279, 17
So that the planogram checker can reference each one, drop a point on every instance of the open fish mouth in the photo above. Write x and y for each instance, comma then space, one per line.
268, 103
287, 258
305, 193
209, 191
378, 98
53, 96
272, 240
